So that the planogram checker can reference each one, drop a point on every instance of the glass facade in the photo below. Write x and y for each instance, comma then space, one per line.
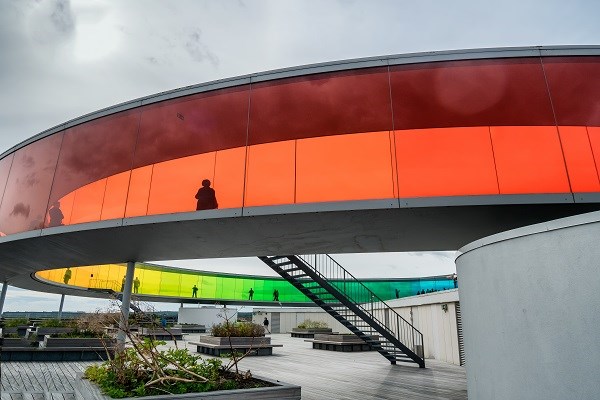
154, 280
459, 128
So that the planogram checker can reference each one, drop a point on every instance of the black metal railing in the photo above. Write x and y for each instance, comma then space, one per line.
366, 300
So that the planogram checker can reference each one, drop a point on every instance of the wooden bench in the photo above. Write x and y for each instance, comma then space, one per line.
220, 350
337, 342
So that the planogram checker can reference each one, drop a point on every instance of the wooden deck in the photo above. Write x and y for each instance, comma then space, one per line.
322, 375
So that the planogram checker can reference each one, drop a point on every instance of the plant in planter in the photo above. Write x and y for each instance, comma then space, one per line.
142, 370
308, 328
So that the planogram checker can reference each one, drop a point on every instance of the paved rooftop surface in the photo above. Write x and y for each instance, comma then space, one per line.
322, 375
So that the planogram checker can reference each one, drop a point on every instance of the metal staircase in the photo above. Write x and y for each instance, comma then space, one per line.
336, 291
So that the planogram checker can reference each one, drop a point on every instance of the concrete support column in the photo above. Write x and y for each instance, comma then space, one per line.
60, 308
3, 296
125, 303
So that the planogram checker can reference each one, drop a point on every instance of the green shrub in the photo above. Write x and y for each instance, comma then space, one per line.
237, 329
55, 323
308, 324
16, 322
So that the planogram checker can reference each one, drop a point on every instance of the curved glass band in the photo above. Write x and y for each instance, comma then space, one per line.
456, 128
161, 281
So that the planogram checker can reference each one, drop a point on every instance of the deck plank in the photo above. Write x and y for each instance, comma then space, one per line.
322, 374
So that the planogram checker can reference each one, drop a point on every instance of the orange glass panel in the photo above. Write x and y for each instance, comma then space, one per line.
25, 200
344, 167
529, 160
66, 205
115, 196
175, 183
271, 174
87, 205
580, 160
139, 189
594, 135
445, 162
229, 177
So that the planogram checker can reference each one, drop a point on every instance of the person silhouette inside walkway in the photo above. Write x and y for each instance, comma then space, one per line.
195, 291
275, 295
67, 276
123, 284
207, 200
56, 215
136, 285
397, 293
250, 294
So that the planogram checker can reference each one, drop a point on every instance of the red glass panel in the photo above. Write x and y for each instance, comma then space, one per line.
594, 135
192, 125
470, 93
5, 165
93, 151
575, 88
139, 189
176, 182
344, 167
229, 177
529, 160
320, 105
115, 196
580, 160
445, 162
28, 187
87, 205
271, 174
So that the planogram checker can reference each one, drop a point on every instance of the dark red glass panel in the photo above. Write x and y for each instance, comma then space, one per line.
27, 191
320, 105
470, 93
90, 152
575, 89
192, 125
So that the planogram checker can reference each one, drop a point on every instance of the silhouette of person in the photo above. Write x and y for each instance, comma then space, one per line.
56, 215
250, 294
397, 293
195, 291
123, 284
67, 276
455, 279
206, 197
136, 285
266, 325
275, 295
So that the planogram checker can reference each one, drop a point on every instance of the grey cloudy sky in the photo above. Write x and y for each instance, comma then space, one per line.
60, 59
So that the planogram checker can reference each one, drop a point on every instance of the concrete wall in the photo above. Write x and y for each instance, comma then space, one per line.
208, 316
425, 312
290, 318
529, 301
438, 327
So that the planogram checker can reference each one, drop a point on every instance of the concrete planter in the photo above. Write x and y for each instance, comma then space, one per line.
86, 390
19, 330
235, 341
18, 342
189, 328
77, 342
52, 330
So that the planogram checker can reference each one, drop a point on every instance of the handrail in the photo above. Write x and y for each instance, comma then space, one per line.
362, 295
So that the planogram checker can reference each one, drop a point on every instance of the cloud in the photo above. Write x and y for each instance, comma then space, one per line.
198, 50
21, 209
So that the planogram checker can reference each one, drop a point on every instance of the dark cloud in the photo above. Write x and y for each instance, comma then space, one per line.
62, 17
198, 50
20, 209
